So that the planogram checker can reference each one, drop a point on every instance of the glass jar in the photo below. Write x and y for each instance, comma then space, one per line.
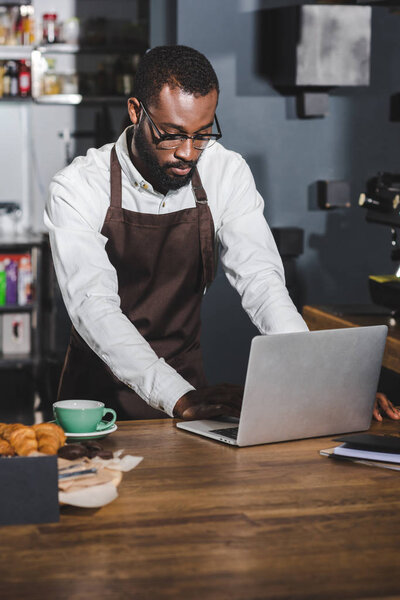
70, 31
69, 83
50, 31
51, 81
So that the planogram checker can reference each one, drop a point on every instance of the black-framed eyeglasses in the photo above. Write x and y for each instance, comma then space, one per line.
168, 141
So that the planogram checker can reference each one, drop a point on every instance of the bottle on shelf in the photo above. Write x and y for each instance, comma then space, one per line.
6, 80
11, 269
24, 79
25, 281
13, 74
2, 71
5, 26
2, 284
28, 26
19, 29
50, 29
13, 13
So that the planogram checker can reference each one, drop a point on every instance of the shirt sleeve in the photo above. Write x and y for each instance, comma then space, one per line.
89, 286
251, 260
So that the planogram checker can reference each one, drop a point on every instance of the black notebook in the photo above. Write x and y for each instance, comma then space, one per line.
371, 442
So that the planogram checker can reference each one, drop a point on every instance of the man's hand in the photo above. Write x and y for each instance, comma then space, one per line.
210, 402
383, 405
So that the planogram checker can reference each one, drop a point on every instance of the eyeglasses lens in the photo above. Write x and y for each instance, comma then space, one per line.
198, 144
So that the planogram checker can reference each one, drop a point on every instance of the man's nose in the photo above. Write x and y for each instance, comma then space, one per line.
186, 151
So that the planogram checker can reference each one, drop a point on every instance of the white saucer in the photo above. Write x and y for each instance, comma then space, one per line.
90, 435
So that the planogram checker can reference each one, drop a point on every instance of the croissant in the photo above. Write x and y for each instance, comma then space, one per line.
20, 439
50, 437
9, 428
6, 449
23, 440
2, 428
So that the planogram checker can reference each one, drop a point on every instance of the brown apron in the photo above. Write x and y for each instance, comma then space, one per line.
163, 263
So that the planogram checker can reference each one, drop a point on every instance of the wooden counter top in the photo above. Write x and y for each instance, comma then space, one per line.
323, 317
201, 520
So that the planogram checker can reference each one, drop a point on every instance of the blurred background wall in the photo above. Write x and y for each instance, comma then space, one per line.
288, 155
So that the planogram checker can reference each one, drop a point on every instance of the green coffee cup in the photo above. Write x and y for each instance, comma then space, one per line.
82, 416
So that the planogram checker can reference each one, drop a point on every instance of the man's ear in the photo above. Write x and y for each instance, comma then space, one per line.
134, 110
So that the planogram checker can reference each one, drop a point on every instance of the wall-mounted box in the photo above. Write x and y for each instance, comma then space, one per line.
289, 240
323, 46
333, 194
312, 105
16, 333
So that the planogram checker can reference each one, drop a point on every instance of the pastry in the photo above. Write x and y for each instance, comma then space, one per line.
72, 451
23, 440
87, 449
9, 428
50, 437
2, 428
6, 449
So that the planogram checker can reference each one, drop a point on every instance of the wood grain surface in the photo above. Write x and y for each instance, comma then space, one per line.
201, 520
318, 317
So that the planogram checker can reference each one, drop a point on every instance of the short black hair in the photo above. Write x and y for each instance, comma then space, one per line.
176, 66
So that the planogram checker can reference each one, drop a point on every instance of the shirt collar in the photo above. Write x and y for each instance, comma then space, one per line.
127, 166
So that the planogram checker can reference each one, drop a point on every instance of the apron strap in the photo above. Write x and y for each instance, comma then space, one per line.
115, 180
206, 232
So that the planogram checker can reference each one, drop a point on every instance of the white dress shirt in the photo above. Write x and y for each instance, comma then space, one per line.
74, 216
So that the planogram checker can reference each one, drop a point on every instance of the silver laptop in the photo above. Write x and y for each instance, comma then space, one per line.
301, 385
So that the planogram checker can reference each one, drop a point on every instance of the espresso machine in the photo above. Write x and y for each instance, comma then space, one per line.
382, 202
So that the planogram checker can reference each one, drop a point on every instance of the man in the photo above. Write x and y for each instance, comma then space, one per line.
134, 229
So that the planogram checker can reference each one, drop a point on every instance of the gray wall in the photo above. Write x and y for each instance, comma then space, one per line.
288, 156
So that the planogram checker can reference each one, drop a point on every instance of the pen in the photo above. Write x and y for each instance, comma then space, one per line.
77, 473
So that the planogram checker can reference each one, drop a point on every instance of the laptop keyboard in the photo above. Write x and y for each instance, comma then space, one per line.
230, 432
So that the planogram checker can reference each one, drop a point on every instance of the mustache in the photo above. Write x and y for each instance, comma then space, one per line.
180, 165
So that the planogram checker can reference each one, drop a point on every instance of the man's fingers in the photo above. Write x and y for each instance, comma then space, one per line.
210, 402
387, 407
209, 411
230, 395
215, 397
391, 412
383, 402
376, 414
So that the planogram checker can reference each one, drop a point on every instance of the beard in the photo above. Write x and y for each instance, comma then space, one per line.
159, 172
